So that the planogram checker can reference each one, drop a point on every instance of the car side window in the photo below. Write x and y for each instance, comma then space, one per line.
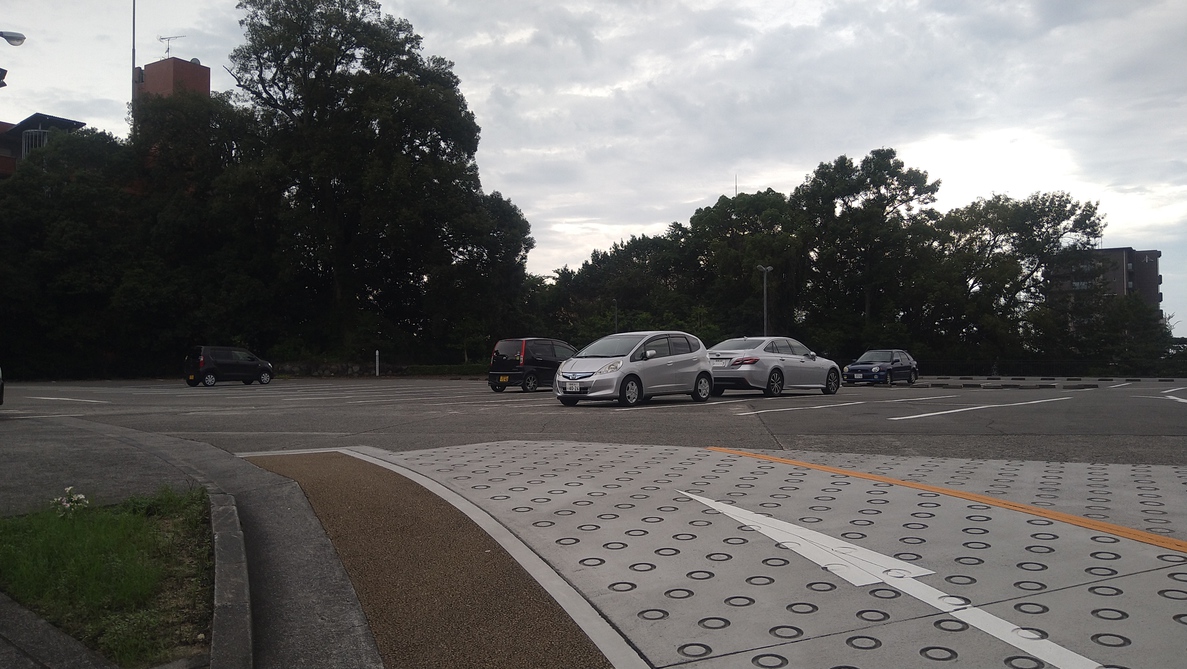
220, 354
242, 356
679, 345
659, 345
797, 348
540, 349
771, 348
564, 351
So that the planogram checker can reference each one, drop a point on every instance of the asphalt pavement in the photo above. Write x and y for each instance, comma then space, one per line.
357, 565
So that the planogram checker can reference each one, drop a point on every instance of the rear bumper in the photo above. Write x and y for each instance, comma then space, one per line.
504, 378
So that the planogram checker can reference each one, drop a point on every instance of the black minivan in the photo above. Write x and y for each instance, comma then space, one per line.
527, 362
210, 364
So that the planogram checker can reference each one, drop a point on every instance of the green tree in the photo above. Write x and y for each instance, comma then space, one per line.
382, 203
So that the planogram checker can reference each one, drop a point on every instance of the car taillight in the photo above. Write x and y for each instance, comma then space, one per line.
744, 361
523, 349
201, 361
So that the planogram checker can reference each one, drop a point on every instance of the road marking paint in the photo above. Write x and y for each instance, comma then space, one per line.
1121, 385
1079, 521
1173, 390
917, 399
69, 399
52, 415
818, 406
861, 567
1177, 399
978, 408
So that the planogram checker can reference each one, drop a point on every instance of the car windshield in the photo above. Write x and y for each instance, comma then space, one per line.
614, 346
875, 356
739, 344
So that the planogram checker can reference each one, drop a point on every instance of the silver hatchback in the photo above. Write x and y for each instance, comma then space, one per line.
632, 367
771, 364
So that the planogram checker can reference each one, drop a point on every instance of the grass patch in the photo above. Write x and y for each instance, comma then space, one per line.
134, 581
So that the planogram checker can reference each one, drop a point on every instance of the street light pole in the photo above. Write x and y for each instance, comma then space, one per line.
765, 270
615, 315
15, 39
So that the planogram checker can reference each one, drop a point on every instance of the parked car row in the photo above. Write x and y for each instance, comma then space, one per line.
633, 367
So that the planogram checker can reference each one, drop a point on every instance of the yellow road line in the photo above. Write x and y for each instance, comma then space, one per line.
1107, 528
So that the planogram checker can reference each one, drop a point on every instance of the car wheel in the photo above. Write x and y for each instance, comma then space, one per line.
832, 383
193, 383
703, 388
247, 382
911, 379
498, 389
631, 392
530, 383
265, 378
890, 377
774, 384
718, 391
569, 401
209, 379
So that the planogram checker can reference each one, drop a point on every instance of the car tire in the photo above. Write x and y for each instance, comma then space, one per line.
530, 383
911, 379
498, 389
265, 378
209, 379
630, 393
193, 383
718, 391
832, 383
569, 401
890, 377
703, 388
774, 387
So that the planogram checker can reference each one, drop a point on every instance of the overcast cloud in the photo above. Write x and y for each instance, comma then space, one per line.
613, 118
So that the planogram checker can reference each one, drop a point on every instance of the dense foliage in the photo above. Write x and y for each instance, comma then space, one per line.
333, 207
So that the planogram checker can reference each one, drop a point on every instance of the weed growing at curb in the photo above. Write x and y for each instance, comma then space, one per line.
132, 581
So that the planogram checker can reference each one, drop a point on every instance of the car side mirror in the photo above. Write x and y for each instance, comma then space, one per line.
811, 355
649, 354
896, 361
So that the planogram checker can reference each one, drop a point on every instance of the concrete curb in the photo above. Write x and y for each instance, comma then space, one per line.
230, 635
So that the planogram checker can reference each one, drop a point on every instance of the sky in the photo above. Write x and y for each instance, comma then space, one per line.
603, 119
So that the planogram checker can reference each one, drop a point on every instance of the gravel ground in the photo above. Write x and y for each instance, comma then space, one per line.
436, 589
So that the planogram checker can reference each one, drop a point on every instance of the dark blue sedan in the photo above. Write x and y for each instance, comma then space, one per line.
882, 365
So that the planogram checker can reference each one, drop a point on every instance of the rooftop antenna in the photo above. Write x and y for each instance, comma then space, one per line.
169, 43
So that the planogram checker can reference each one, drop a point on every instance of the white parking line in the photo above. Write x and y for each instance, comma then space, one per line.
1121, 385
818, 406
976, 408
917, 399
69, 399
1173, 390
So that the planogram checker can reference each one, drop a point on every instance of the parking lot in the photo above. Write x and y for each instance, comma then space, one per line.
1118, 421
881, 526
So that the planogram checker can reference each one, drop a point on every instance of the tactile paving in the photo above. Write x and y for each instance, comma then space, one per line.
688, 585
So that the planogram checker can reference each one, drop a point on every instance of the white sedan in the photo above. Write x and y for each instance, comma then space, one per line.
771, 364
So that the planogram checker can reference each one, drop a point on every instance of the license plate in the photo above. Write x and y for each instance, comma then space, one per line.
857, 376
572, 387
504, 379
720, 363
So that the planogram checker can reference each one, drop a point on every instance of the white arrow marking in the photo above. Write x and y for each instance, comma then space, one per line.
861, 566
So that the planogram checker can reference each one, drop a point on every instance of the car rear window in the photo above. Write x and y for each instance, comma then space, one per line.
739, 344
509, 348
875, 356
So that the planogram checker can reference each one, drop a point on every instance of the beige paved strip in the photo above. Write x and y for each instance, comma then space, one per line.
438, 592
1107, 528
